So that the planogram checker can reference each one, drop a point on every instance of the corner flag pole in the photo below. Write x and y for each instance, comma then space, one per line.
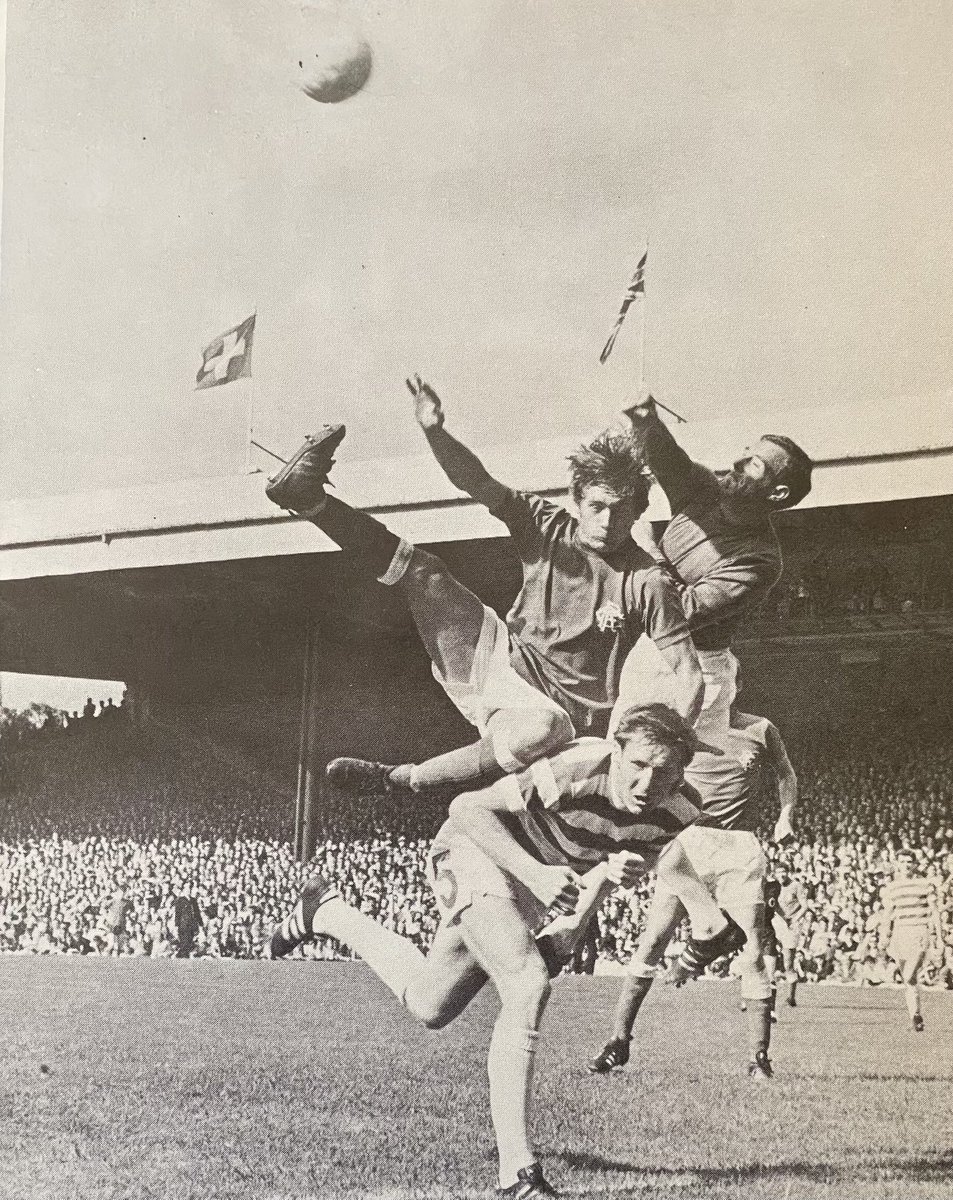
642, 307
250, 414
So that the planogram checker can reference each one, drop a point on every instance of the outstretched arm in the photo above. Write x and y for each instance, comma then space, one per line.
679, 476
460, 465
787, 783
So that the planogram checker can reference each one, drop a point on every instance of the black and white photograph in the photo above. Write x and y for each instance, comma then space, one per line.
476, 600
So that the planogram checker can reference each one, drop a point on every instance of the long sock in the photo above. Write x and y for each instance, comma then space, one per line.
395, 960
792, 990
630, 1001
476, 761
360, 534
510, 1067
758, 1016
911, 994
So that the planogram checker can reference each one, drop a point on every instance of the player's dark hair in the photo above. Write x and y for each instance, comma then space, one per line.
663, 725
612, 462
796, 473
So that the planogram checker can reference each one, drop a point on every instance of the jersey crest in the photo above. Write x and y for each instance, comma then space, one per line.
609, 618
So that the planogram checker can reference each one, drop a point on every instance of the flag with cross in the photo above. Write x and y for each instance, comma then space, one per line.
228, 357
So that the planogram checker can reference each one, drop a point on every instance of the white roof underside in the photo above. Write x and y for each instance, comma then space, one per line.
896, 451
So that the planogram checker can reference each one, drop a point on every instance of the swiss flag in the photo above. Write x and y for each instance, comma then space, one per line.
228, 357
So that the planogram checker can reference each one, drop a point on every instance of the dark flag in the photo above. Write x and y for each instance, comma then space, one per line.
635, 291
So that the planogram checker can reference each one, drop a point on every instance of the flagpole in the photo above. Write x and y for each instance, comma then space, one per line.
249, 427
249, 424
642, 308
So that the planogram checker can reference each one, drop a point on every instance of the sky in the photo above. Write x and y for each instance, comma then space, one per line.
473, 214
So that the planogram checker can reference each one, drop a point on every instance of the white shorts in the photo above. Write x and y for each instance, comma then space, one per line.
909, 944
494, 684
788, 935
647, 677
459, 872
730, 863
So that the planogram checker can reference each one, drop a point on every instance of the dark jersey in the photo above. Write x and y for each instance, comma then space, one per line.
562, 812
735, 787
722, 568
772, 892
577, 613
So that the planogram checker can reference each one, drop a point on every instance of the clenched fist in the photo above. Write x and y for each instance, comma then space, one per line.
557, 888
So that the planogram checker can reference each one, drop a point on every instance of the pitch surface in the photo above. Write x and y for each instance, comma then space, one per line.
134, 1080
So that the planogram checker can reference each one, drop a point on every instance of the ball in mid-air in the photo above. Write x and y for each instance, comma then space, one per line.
333, 59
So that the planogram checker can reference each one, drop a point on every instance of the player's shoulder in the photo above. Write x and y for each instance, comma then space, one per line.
684, 804
582, 757
749, 726
518, 508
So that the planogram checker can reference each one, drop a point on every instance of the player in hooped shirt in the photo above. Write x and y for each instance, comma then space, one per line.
911, 915
509, 854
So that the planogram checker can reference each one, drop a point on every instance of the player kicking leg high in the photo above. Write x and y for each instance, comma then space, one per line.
528, 688
507, 855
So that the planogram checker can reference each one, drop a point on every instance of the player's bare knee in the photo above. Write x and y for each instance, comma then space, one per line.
433, 1012
432, 1016
425, 571
652, 947
525, 991
538, 733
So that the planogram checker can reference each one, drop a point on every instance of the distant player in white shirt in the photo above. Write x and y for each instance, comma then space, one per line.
911, 914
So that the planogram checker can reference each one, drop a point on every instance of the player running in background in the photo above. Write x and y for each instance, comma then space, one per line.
911, 914
789, 923
508, 854
772, 951
724, 851
588, 592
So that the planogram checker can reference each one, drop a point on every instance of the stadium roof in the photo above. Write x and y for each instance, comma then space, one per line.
896, 451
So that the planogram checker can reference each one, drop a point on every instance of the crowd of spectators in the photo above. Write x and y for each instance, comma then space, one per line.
122, 840
855, 582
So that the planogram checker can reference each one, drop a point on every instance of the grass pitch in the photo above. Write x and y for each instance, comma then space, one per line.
134, 1079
